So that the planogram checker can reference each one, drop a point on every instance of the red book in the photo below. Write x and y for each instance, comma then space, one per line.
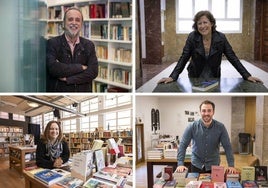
207, 185
217, 173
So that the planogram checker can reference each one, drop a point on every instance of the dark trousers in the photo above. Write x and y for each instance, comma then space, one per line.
203, 170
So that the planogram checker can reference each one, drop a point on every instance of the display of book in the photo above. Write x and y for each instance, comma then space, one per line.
97, 144
82, 164
205, 85
70, 182
100, 161
48, 176
261, 173
217, 173
94, 183
249, 183
248, 173
233, 184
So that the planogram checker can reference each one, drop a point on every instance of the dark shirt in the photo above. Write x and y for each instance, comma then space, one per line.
43, 159
195, 50
61, 63
205, 144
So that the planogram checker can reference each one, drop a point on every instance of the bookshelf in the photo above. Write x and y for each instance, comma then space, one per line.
84, 140
21, 157
9, 135
108, 24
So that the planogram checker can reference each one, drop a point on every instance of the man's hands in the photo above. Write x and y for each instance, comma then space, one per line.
165, 80
181, 168
64, 79
231, 170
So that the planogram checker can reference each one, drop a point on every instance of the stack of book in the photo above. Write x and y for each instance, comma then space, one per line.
155, 154
170, 153
50, 177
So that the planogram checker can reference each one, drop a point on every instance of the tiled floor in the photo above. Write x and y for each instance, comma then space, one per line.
153, 73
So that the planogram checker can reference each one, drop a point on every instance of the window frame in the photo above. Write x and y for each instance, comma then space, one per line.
240, 19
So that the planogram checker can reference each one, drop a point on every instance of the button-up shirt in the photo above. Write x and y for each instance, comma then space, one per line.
205, 144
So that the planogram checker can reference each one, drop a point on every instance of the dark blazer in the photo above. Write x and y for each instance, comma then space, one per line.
61, 63
194, 49
43, 160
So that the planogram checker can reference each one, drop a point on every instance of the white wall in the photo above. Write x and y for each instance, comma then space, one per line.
172, 113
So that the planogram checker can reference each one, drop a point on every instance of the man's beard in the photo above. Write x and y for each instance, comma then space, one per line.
70, 33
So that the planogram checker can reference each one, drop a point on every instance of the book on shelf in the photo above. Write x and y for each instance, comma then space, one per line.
217, 173
233, 184
97, 10
249, 183
94, 183
205, 85
220, 185
248, 173
70, 182
48, 176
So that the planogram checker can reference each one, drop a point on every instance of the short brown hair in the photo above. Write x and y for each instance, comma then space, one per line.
209, 15
46, 132
207, 102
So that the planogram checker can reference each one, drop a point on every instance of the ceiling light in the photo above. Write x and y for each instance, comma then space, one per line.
32, 104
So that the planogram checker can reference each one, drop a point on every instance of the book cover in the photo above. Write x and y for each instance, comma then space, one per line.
232, 176
261, 173
70, 182
48, 176
121, 171
180, 177
171, 183
94, 183
248, 173
205, 177
205, 85
62, 172
82, 164
217, 173
97, 144
100, 161
194, 184
220, 185
114, 178
207, 185
233, 184
249, 184
159, 183
168, 172
113, 145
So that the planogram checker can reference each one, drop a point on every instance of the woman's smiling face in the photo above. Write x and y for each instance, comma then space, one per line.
204, 26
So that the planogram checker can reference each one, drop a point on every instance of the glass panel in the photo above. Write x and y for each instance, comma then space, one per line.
201, 5
233, 9
185, 8
228, 26
185, 26
218, 8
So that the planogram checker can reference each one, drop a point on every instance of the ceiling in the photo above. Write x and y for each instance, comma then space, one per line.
19, 104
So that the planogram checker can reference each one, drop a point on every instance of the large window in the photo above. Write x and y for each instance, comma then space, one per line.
69, 126
48, 117
89, 124
4, 115
228, 14
120, 120
18, 117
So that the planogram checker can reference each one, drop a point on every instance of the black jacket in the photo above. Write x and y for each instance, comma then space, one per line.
44, 161
61, 63
194, 49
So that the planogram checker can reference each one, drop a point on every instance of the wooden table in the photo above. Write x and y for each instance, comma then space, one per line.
31, 182
240, 161
17, 157
226, 85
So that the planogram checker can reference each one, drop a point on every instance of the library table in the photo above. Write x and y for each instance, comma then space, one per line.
225, 85
240, 161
